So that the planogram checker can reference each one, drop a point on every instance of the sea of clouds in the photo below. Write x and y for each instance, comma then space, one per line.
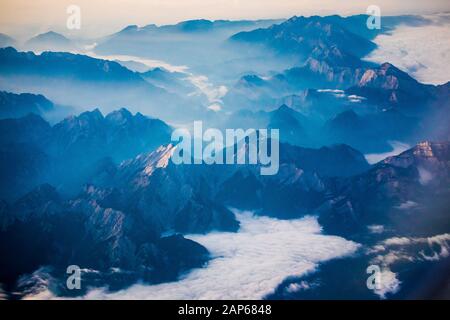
423, 51
249, 264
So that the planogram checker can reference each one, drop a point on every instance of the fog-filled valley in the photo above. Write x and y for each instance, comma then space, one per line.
88, 178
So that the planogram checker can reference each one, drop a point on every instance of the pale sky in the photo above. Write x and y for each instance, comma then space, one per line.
23, 18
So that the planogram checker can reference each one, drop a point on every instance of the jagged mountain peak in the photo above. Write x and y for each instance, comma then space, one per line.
18, 105
119, 116
50, 36
307, 35
85, 119
44, 199
345, 118
6, 41
147, 163
251, 80
425, 151
386, 76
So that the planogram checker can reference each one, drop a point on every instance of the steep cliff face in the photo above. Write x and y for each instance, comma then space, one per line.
41, 229
412, 184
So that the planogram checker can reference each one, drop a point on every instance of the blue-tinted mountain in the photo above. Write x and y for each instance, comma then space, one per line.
382, 103
389, 86
313, 74
371, 132
6, 41
31, 129
50, 41
80, 81
19, 105
199, 25
357, 24
24, 162
151, 184
173, 82
289, 122
186, 43
62, 64
297, 188
292, 125
311, 36
416, 181
68, 153
119, 134
114, 247
399, 211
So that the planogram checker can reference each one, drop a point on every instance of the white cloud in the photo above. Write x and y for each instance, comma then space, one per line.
376, 228
397, 241
150, 63
249, 264
215, 107
389, 284
422, 51
214, 93
397, 148
407, 205
402, 249
296, 287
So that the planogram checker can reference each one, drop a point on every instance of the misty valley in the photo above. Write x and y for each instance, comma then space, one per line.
224, 159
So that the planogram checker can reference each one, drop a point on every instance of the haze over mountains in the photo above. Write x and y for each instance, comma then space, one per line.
86, 153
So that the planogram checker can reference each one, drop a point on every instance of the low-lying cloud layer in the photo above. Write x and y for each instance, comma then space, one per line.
422, 51
248, 264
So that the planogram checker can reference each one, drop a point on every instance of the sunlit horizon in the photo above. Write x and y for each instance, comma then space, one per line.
23, 19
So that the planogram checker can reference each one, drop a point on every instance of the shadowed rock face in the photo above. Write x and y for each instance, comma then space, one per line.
119, 206
300, 35
171, 196
41, 229
119, 223
79, 80
416, 180
19, 105
68, 153
389, 86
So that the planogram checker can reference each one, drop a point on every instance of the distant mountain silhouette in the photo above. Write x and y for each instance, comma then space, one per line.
50, 41
80, 81
18, 105
6, 41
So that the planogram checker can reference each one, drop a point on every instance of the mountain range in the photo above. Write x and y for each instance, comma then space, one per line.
68, 152
98, 188
50, 41
19, 105
77, 80
6, 41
